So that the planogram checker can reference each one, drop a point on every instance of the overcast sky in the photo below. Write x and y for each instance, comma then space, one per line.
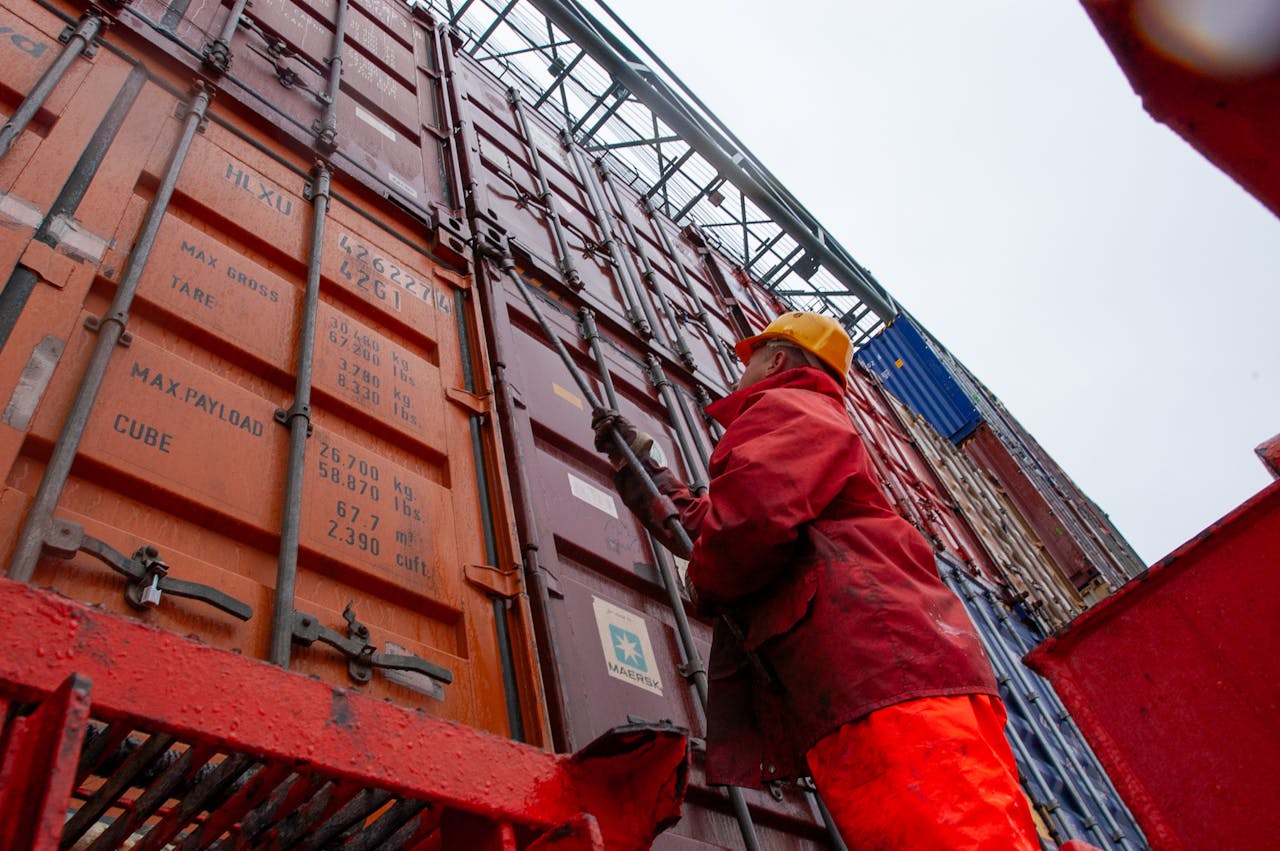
990, 164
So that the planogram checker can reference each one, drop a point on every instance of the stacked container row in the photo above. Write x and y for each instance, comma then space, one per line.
274, 328
1075, 534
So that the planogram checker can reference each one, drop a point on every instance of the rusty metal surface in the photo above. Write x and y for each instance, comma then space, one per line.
230, 752
1172, 679
503, 186
182, 450
986, 450
389, 130
599, 569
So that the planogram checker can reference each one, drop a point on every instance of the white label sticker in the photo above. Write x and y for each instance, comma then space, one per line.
375, 122
628, 654
402, 184
593, 496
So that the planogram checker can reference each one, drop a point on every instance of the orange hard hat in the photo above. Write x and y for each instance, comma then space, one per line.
816, 333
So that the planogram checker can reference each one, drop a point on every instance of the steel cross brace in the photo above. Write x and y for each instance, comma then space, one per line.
203, 695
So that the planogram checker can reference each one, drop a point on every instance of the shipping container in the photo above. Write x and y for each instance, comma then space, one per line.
1070, 793
1173, 680
901, 359
1018, 557
920, 372
288, 287
593, 574
209, 249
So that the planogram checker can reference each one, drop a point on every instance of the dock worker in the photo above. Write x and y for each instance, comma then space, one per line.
879, 688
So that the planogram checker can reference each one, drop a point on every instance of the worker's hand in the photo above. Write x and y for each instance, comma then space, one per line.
604, 422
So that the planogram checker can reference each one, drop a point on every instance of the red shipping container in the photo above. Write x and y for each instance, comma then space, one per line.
1175, 682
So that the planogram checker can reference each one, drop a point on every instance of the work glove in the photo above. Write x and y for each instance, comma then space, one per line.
604, 421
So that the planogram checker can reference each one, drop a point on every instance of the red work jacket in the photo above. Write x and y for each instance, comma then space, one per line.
837, 593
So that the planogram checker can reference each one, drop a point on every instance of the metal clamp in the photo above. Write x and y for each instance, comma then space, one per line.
147, 573
362, 655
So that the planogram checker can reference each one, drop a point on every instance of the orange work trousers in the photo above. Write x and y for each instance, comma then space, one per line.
935, 773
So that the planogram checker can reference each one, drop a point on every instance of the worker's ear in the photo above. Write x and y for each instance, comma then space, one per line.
779, 360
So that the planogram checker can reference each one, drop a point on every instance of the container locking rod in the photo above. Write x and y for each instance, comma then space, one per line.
672, 521
298, 421
79, 39
111, 331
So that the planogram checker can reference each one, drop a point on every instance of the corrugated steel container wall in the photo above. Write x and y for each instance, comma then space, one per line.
1175, 680
405, 507
1112, 559
1122, 561
182, 450
991, 454
911, 484
1011, 544
922, 374
1071, 795
903, 361
592, 571
593, 561
505, 192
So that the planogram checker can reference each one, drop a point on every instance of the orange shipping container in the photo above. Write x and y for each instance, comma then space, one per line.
403, 524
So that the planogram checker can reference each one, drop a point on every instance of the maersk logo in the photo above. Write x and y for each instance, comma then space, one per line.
626, 646
624, 639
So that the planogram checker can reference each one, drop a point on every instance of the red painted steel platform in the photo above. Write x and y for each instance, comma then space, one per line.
1175, 682
125, 733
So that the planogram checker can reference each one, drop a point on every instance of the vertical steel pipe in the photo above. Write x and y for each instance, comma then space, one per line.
545, 196
695, 671
216, 56
298, 421
110, 330
556, 692
717, 430
833, 833
695, 453
647, 274
326, 127
22, 281
638, 312
81, 37
502, 629
691, 289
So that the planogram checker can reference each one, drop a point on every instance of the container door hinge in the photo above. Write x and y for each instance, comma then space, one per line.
362, 655
495, 580
147, 573
489, 239
469, 401
452, 239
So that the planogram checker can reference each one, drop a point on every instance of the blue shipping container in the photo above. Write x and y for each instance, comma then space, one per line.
903, 361
1067, 785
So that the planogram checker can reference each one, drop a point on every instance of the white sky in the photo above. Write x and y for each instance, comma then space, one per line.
990, 164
